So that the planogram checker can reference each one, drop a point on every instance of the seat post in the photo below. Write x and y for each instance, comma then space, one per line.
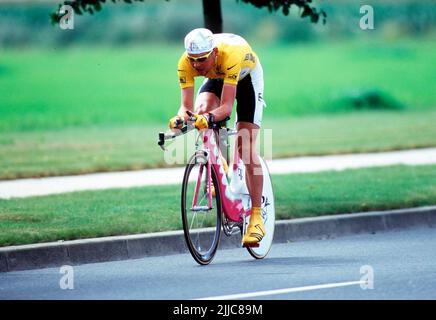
224, 142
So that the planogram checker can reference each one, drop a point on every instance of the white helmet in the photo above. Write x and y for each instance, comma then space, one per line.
199, 41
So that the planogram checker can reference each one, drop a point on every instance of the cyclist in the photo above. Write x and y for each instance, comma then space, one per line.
232, 71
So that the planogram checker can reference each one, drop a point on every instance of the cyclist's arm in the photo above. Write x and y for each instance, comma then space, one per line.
227, 99
187, 101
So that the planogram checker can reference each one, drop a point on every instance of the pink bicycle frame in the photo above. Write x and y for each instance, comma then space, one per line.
232, 206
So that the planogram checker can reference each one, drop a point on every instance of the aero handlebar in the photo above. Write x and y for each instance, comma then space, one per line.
185, 129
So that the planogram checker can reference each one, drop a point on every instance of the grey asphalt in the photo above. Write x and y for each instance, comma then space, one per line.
403, 263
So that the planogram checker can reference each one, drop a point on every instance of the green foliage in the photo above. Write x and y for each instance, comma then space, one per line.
90, 6
304, 6
159, 21
81, 6
368, 99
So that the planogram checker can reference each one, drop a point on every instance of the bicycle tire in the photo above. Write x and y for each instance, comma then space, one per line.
203, 232
269, 221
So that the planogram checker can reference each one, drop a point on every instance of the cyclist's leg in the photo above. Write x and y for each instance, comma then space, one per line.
208, 99
208, 96
247, 136
249, 111
249, 116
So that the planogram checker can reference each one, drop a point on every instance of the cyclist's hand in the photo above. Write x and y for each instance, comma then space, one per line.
201, 121
176, 122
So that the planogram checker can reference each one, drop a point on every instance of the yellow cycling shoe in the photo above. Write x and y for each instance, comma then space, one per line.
255, 230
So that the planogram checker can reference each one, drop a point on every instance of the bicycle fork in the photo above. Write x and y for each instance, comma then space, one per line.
194, 206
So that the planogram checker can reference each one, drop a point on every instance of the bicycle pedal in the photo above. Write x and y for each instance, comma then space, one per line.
251, 245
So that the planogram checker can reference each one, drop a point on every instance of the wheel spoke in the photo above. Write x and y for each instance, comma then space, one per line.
201, 224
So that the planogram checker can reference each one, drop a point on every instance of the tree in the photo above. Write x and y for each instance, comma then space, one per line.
211, 9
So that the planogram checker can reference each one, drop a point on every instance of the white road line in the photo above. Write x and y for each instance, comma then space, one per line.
99, 181
283, 291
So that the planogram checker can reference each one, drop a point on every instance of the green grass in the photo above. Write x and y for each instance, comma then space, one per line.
56, 88
91, 149
152, 209
310, 80
352, 133
92, 109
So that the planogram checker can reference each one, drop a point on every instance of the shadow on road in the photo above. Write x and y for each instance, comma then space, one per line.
312, 262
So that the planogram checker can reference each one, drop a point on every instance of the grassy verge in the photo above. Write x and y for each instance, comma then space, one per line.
152, 209
43, 89
91, 109
93, 149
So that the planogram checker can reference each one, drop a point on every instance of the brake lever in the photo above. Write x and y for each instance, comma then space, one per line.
161, 141
163, 136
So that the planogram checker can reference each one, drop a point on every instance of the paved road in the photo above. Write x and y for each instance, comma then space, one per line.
98, 181
403, 265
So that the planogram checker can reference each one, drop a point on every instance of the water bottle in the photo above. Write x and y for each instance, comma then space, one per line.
237, 176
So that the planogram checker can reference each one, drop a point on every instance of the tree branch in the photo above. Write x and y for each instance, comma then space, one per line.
305, 9
81, 6
91, 6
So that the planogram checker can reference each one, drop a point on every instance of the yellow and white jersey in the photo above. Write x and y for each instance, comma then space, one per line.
235, 60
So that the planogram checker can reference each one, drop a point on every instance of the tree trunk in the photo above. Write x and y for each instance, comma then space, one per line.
213, 19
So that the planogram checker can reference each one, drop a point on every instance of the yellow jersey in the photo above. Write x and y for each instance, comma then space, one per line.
234, 61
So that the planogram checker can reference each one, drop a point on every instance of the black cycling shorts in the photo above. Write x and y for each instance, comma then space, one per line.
249, 97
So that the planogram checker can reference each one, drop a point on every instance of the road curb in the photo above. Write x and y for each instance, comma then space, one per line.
56, 254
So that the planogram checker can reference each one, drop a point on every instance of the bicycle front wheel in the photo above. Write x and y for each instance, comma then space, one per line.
201, 219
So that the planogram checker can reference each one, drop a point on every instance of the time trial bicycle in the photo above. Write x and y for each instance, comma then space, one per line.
212, 200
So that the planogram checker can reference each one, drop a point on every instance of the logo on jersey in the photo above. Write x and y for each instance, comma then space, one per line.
244, 72
250, 57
